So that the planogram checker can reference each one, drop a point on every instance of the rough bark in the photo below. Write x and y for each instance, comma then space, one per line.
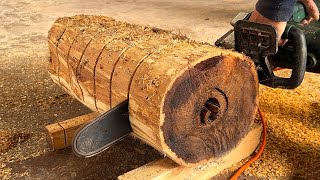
191, 101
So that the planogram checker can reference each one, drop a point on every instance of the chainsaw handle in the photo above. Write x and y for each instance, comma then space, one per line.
300, 59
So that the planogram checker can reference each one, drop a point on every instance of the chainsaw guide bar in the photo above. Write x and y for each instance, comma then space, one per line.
107, 129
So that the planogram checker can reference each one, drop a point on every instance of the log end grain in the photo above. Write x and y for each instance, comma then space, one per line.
209, 109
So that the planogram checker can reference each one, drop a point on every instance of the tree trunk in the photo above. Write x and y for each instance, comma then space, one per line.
191, 101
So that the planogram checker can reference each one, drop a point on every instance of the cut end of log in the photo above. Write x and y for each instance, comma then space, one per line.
209, 109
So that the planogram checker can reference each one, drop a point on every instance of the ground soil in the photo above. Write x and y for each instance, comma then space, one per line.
30, 100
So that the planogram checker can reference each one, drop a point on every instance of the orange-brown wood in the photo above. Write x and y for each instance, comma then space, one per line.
60, 134
167, 169
189, 100
55, 34
55, 136
70, 126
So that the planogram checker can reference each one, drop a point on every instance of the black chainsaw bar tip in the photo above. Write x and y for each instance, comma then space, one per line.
107, 129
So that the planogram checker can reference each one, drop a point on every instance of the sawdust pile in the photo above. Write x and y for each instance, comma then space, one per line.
10, 139
293, 132
5, 173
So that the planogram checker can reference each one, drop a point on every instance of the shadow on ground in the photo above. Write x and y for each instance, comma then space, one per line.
63, 164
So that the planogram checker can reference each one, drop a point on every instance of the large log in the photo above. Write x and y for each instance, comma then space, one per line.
191, 101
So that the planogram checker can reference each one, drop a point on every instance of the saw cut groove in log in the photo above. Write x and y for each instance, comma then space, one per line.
96, 79
191, 101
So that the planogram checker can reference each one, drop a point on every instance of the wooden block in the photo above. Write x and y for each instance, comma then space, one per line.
55, 137
70, 126
167, 169
60, 134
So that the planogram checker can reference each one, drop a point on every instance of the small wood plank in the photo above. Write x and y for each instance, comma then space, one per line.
60, 134
70, 126
167, 169
55, 137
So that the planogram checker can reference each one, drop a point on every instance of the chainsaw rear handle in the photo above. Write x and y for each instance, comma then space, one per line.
295, 35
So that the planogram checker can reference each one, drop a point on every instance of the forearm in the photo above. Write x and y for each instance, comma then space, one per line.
276, 10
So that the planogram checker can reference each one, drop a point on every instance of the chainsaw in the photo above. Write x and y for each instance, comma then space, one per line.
258, 41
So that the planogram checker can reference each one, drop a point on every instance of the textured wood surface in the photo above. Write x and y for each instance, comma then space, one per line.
60, 134
167, 169
55, 136
189, 100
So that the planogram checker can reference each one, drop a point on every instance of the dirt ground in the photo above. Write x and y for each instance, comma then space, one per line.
30, 100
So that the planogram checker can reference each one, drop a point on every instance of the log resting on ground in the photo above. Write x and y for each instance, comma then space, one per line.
189, 100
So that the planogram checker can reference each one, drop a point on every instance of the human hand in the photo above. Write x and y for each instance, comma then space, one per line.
279, 26
312, 10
